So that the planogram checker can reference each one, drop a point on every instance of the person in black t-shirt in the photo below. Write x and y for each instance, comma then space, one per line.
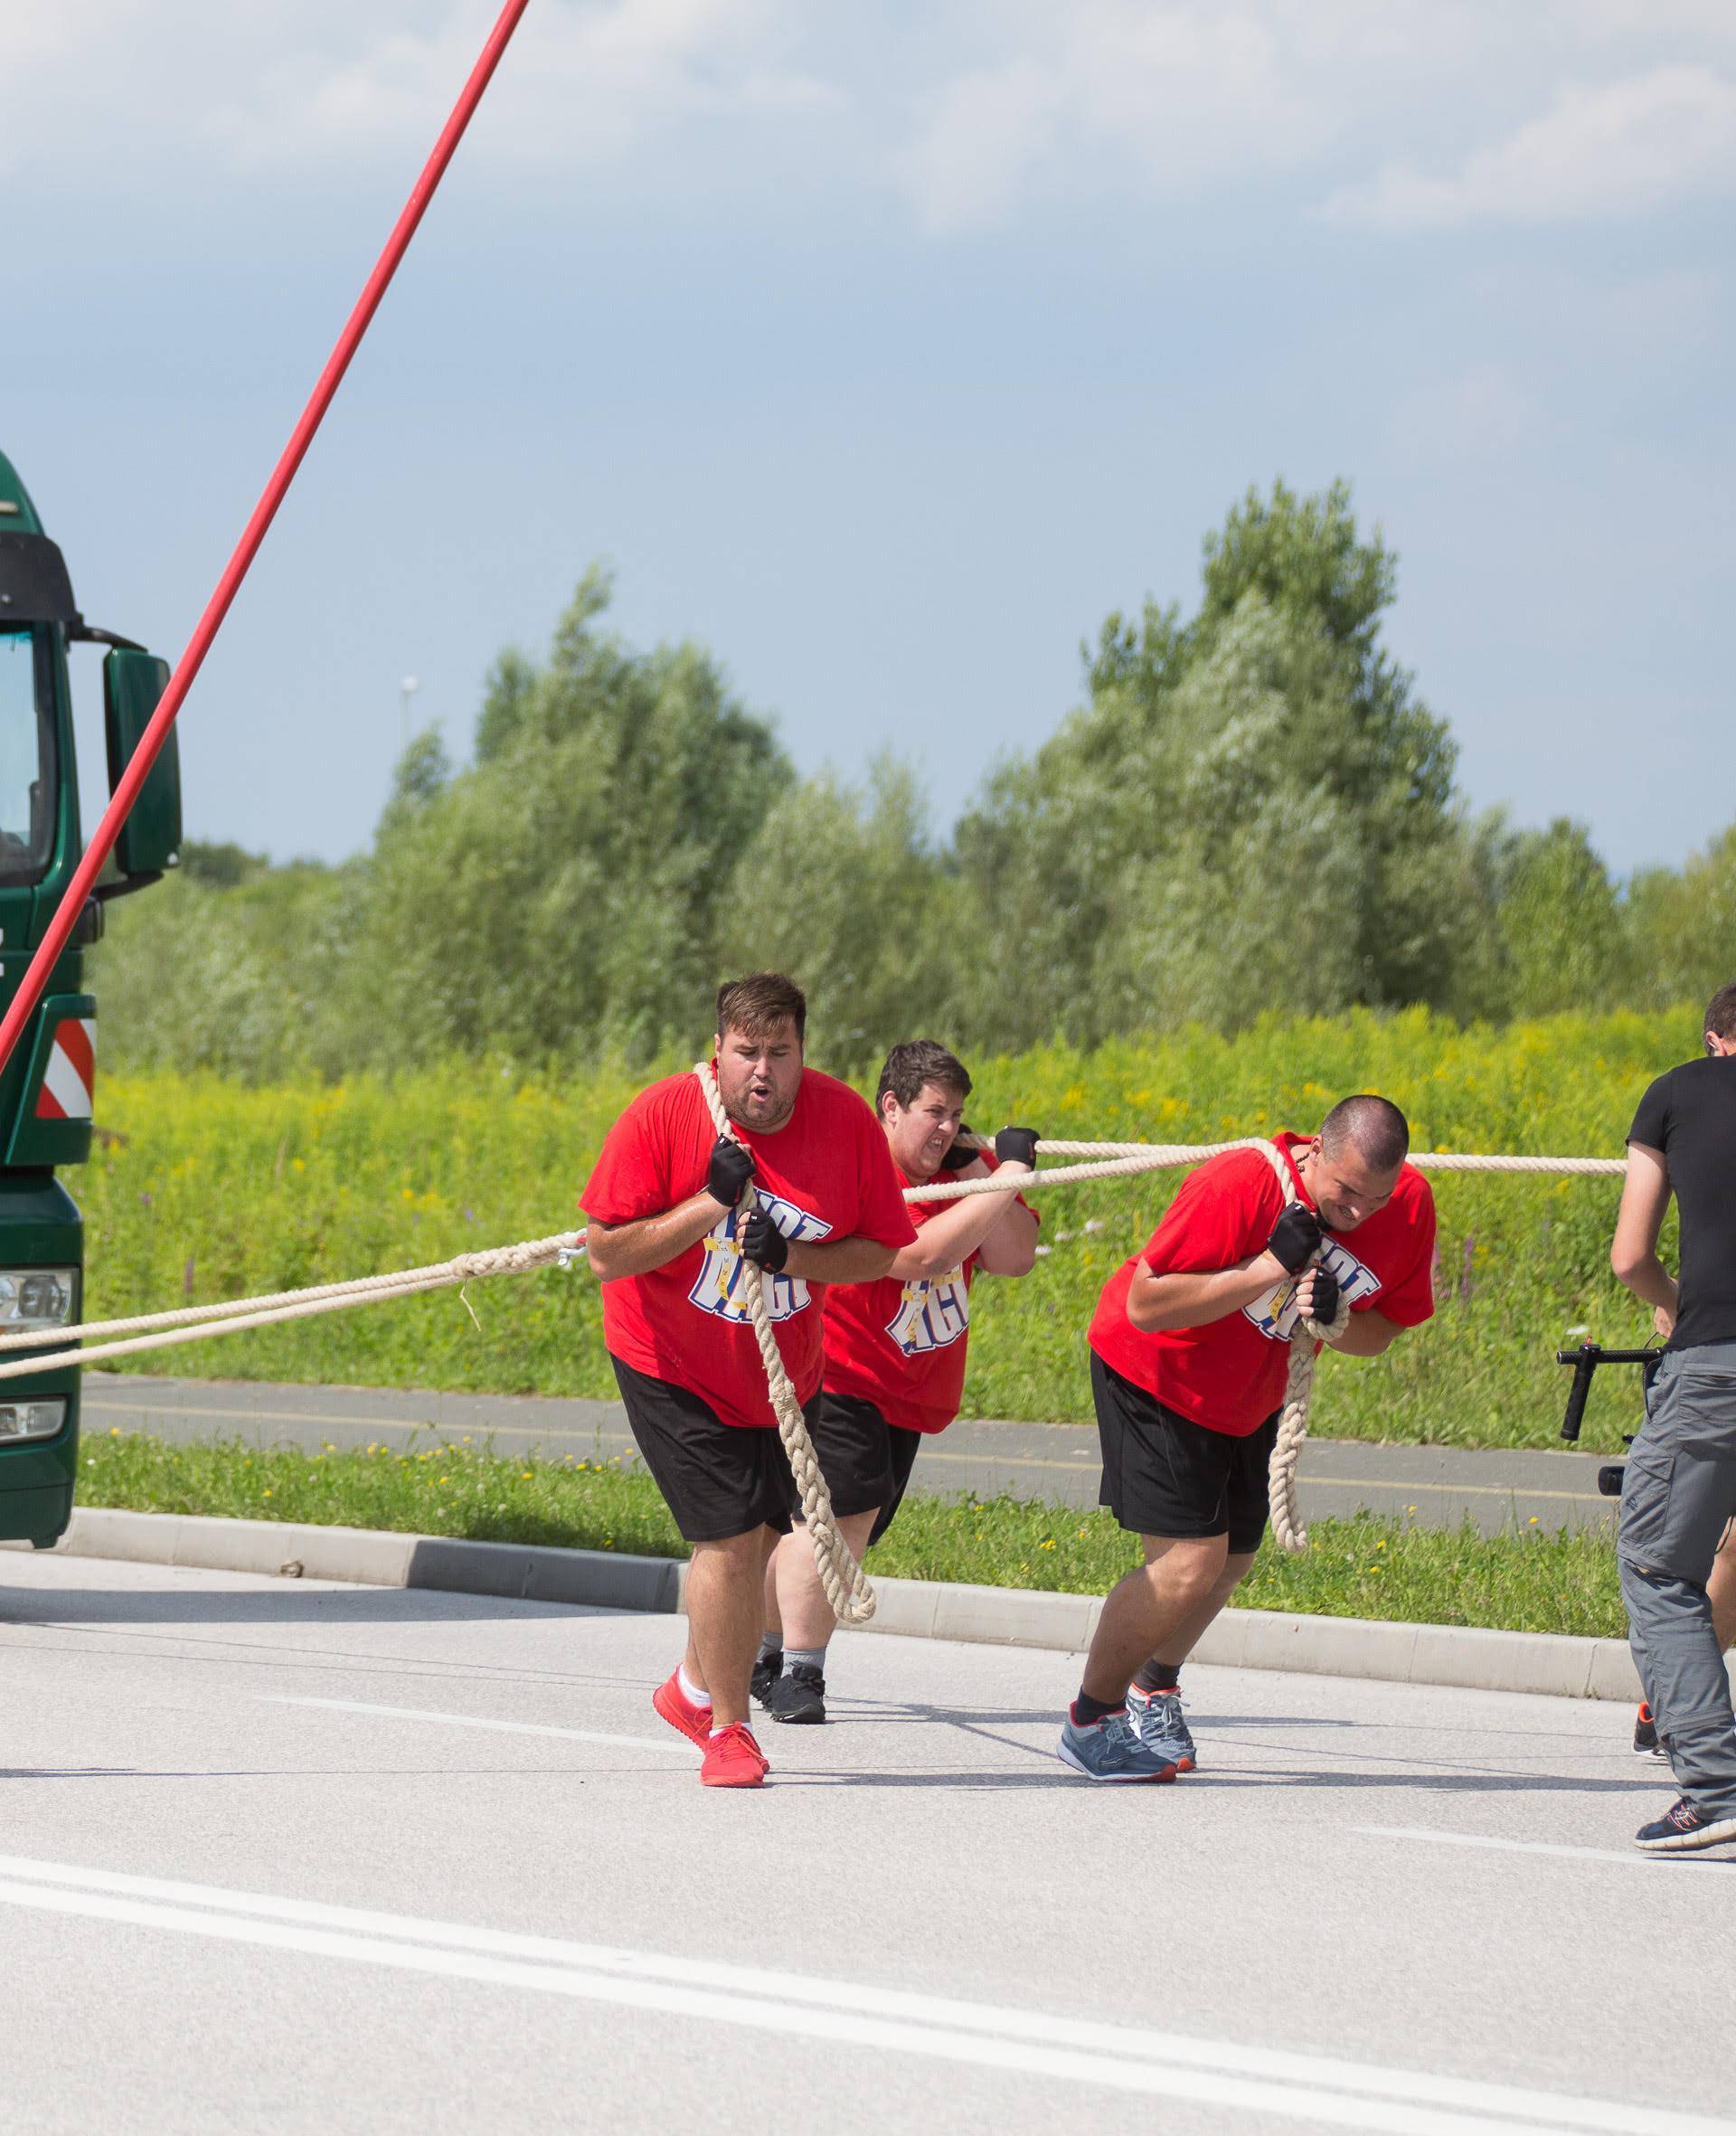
1678, 1495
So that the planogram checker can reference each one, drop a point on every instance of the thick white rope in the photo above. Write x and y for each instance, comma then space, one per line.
354, 1290
1166, 1156
1298, 1392
231, 1318
846, 1583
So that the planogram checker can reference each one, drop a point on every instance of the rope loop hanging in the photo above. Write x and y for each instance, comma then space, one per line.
1298, 1393
846, 1583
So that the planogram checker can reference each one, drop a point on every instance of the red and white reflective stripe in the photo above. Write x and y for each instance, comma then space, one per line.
71, 1076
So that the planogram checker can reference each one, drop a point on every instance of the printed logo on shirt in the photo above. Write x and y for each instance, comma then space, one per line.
1274, 1314
933, 1311
717, 1288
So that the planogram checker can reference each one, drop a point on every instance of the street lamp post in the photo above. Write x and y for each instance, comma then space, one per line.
406, 689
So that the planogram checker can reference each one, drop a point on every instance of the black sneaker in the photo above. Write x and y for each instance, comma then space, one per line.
1681, 1828
1646, 1743
766, 1673
798, 1696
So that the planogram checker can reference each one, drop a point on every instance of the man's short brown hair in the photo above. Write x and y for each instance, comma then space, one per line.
1720, 1012
757, 1005
1374, 1126
916, 1062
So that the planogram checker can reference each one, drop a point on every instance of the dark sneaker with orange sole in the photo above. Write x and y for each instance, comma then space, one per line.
1646, 1743
733, 1759
1681, 1828
673, 1703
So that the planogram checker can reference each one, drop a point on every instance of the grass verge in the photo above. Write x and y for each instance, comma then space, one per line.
1524, 1581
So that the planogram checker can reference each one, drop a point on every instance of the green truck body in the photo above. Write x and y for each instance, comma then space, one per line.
47, 1088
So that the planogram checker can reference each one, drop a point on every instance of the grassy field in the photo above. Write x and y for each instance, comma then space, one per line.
202, 1189
1389, 1570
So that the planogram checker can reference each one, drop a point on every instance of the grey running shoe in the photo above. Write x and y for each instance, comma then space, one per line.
798, 1695
1111, 1749
1156, 1717
1682, 1828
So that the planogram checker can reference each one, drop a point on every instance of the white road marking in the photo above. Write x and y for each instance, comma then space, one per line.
1636, 1860
413, 1712
1220, 2072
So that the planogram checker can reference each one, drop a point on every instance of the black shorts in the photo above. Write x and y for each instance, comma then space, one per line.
866, 1462
1164, 1475
718, 1479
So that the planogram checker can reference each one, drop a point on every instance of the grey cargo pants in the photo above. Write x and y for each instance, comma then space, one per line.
1677, 1497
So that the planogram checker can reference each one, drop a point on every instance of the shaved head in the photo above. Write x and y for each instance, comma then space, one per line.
1373, 1127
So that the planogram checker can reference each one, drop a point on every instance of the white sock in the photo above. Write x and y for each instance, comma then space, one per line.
694, 1694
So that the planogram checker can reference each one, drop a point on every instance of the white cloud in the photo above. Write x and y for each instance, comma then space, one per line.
1617, 148
293, 83
973, 113
1104, 93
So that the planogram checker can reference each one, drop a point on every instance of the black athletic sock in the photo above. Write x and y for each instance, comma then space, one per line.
1159, 1675
1088, 1711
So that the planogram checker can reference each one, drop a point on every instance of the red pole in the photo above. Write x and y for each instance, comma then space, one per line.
72, 904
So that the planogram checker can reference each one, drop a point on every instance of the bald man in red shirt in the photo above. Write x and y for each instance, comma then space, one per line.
1190, 1351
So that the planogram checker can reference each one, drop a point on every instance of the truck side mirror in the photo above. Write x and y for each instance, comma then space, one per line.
150, 839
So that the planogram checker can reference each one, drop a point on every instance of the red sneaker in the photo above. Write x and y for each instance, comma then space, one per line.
733, 1759
673, 1704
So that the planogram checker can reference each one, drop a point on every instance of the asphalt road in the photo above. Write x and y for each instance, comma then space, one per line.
313, 1858
1442, 1486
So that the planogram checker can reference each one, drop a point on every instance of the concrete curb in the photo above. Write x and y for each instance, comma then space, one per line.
1555, 1665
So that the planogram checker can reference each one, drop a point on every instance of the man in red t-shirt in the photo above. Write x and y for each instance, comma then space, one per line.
669, 1254
1190, 1351
894, 1354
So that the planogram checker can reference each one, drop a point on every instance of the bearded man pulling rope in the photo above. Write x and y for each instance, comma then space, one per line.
1190, 1354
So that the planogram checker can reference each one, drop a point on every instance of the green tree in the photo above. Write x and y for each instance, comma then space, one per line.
567, 888
1253, 810
844, 888
1560, 925
1682, 927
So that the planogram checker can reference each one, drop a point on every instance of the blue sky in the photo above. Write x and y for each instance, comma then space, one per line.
885, 350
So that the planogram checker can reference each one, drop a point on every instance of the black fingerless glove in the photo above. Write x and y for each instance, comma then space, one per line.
761, 1240
1018, 1146
962, 1153
1325, 1297
1296, 1238
730, 1168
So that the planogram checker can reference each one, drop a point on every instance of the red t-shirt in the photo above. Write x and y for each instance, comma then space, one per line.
1228, 1376
826, 1173
901, 1345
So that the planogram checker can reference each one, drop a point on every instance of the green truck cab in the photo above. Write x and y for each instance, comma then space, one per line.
48, 1086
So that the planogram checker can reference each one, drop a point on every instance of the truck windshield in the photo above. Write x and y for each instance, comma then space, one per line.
26, 756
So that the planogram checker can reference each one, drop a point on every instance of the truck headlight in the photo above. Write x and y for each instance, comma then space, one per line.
36, 1297
31, 1420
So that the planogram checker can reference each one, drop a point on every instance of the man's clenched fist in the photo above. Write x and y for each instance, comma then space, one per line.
730, 1168
761, 1240
1296, 1238
1323, 1302
1018, 1146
